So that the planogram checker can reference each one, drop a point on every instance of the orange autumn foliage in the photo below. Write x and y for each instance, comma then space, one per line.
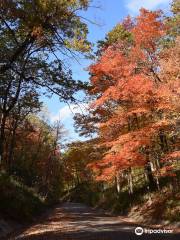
129, 80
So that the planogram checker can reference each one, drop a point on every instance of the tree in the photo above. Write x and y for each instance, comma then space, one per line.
28, 104
35, 35
37, 158
135, 102
75, 160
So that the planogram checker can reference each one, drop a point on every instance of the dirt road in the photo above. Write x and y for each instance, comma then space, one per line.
74, 221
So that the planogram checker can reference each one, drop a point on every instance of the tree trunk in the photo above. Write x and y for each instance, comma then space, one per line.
118, 186
2, 139
12, 144
148, 170
130, 181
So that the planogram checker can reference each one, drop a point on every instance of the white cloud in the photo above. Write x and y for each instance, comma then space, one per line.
67, 112
134, 5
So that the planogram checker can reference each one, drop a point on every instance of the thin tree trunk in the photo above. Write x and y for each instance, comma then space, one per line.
130, 181
118, 186
11, 145
2, 138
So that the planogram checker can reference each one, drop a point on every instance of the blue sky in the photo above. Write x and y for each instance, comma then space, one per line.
109, 13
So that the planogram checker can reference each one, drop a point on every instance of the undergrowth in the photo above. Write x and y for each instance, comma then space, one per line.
17, 201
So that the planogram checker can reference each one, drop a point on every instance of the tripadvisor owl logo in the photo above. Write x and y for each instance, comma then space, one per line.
139, 231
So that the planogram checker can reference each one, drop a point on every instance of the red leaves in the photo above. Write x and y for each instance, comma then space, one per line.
126, 79
148, 29
172, 156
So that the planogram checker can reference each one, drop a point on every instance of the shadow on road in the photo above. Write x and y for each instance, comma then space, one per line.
76, 221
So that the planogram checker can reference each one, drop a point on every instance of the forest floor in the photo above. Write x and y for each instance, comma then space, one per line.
75, 221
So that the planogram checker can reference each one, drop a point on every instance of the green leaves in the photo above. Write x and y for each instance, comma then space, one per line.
119, 33
36, 36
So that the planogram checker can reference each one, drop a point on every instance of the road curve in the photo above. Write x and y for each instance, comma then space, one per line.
75, 221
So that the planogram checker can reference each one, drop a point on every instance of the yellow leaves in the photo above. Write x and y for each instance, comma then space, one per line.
78, 45
45, 4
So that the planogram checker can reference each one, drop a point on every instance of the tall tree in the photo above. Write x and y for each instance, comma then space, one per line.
135, 103
35, 37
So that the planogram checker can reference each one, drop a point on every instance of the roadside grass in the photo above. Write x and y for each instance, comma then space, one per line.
18, 202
